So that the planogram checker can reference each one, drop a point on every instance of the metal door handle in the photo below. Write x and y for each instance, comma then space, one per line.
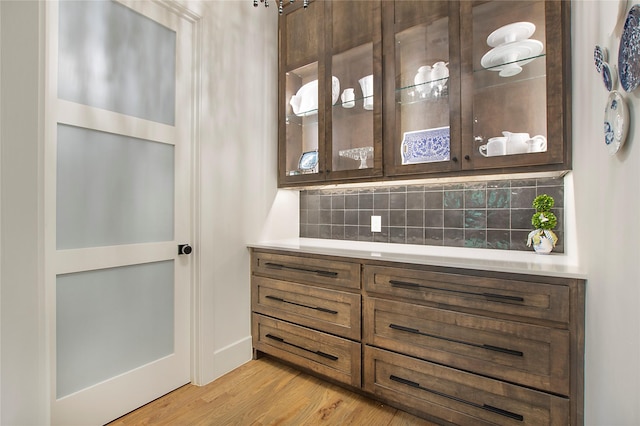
184, 249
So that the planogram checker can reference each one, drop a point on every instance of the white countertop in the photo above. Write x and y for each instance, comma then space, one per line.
521, 262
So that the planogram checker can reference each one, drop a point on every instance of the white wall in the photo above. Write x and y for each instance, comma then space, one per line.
607, 191
23, 369
238, 166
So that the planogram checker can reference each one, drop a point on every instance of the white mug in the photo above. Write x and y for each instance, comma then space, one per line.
348, 97
517, 142
495, 146
537, 143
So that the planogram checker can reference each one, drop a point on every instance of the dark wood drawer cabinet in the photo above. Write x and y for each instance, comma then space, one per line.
308, 270
509, 296
327, 310
522, 353
319, 352
453, 345
514, 341
307, 311
456, 396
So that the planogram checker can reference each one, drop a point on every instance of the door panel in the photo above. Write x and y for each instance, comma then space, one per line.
112, 189
110, 59
110, 321
118, 190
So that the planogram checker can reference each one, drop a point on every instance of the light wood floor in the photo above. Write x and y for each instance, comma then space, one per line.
266, 392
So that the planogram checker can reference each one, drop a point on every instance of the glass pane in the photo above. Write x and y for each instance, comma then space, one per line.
113, 58
302, 120
509, 79
112, 189
352, 112
422, 59
111, 321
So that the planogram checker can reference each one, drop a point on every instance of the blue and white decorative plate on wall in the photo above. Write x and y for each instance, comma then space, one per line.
616, 122
599, 57
608, 76
426, 146
629, 51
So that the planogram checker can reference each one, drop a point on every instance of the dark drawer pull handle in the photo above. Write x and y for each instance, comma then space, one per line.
322, 354
503, 412
317, 308
502, 296
488, 347
328, 274
403, 328
487, 407
406, 284
415, 286
503, 350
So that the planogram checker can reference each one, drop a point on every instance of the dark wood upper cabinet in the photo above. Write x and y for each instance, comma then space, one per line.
300, 129
330, 93
422, 88
384, 90
522, 85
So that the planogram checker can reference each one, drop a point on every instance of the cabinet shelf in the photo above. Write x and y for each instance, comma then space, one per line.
496, 68
508, 82
411, 95
340, 112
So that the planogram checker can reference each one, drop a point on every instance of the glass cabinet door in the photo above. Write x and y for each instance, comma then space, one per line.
301, 121
354, 84
512, 84
352, 111
301, 95
423, 133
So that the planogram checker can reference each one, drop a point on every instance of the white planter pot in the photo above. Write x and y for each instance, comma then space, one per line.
545, 246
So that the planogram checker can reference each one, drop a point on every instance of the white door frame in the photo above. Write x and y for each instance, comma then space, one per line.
51, 102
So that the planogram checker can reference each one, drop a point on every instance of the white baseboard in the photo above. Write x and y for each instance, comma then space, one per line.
226, 359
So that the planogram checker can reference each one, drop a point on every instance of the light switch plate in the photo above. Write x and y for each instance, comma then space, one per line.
376, 223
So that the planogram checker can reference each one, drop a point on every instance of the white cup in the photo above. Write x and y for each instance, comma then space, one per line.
537, 144
348, 98
366, 84
495, 146
517, 142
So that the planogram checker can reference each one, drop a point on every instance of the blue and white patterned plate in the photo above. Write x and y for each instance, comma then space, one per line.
609, 76
308, 162
426, 146
629, 51
599, 57
616, 122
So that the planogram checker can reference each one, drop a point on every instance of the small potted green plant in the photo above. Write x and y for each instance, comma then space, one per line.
543, 238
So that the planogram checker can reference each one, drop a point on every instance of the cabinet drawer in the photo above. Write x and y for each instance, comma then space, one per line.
530, 355
333, 311
308, 270
491, 295
331, 356
456, 396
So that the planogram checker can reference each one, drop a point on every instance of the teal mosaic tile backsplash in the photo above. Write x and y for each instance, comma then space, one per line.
491, 214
